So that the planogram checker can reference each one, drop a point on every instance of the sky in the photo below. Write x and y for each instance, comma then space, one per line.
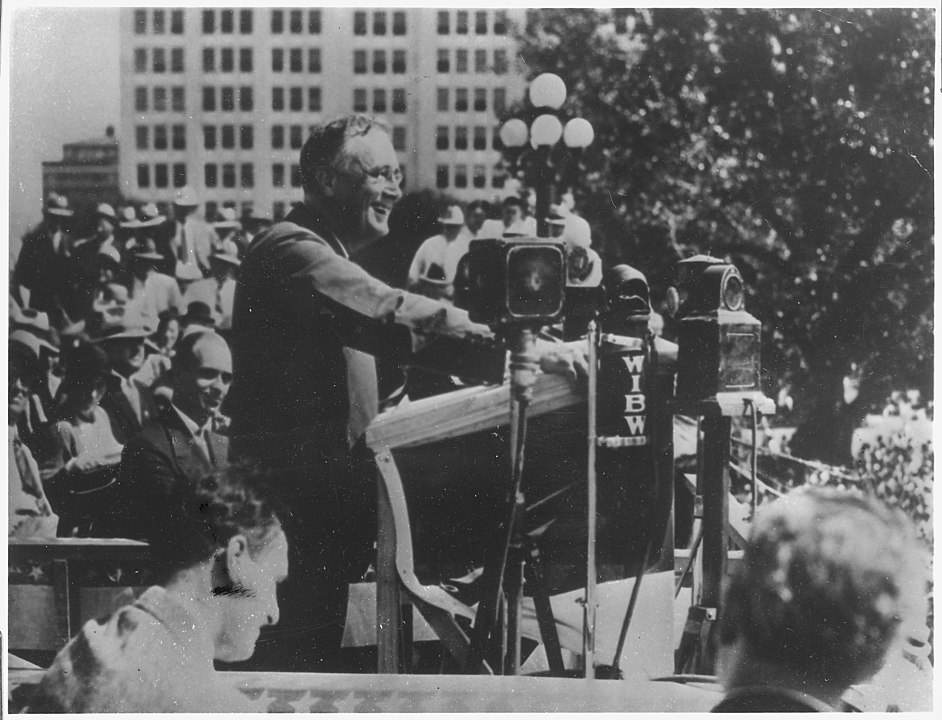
64, 86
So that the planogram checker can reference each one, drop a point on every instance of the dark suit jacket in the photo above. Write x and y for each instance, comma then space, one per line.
124, 422
157, 461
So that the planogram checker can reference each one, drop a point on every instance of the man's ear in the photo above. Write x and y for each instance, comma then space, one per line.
237, 552
325, 178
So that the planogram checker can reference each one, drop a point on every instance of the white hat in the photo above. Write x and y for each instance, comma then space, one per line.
58, 205
105, 210
227, 219
186, 197
452, 216
577, 232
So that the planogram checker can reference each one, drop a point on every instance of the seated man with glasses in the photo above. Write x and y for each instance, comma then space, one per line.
306, 324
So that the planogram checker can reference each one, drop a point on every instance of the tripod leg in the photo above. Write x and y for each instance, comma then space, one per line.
544, 614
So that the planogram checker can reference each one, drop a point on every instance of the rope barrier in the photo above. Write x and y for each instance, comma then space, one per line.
813, 464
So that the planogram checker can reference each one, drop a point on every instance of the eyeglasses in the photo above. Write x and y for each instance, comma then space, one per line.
389, 174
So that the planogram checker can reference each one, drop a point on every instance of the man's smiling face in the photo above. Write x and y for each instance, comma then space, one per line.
366, 185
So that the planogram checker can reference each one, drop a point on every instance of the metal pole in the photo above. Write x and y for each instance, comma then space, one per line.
589, 609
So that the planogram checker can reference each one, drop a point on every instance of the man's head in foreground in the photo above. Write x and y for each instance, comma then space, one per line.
827, 579
201, 375
351, 176
220, 545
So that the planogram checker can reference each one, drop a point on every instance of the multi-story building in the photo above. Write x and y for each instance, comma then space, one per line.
223, 99
88, 172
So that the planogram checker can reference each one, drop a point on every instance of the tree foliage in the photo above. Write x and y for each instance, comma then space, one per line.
795, 143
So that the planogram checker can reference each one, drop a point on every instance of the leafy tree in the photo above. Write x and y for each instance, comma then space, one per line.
795, 143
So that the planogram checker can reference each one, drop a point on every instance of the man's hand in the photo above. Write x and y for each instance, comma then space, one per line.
564, 359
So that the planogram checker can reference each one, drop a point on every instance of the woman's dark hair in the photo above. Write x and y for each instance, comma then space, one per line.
86, 366
200, 518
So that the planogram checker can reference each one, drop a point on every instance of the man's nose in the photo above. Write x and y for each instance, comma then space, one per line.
393, 191
273, 614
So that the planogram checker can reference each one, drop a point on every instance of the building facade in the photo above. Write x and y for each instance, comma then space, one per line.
87, 173
223, 99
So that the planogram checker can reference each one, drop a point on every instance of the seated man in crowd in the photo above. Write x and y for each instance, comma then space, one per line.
222, 552
179, 445
827, 580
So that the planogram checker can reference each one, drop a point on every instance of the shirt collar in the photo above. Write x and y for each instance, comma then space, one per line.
191, 426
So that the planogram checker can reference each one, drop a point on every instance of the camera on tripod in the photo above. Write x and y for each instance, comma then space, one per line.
512, 281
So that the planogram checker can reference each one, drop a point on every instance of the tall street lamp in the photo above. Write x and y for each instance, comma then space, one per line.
542, 166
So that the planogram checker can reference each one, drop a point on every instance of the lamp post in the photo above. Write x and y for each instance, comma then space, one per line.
543, 168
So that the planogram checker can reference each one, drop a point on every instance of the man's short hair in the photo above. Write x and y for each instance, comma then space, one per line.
324, 147
184, 357
479, 204
200, 518
512, 201
827, 578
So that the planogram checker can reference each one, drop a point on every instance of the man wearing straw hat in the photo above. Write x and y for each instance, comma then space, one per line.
433, 268
152, 291
191, 239
218, 291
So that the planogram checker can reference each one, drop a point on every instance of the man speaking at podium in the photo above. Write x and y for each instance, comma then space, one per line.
306, 323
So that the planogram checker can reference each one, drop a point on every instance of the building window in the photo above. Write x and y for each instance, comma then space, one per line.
160, 22
480, 22
278, 175
461, 138
443, 22
277, 22
497, 180
496, 144
278, 210
399, 100
443, 65
140, 60
314, 60
246, 98
314, 22
160, 60
228, 137
379, 61
399, 138
160, 175
209, 137
228, 175
294, 60
143, 175
209, 60
441, 137
399, 61
140, 22
227, 99
500, 22
399, 23
277, 98
500, 100
480, 61
359, 61
480, 137
295, 175
142, 137
379, 100
500, 62
160, 99
226, 18
227, 60
441, 177
211, 208
246, 137
461, 61
297, 139
479, 179
176, 60
160, 137
359, 100
245, 60
379, 23
480, 99
277, 137
442, 100
140, 99
209, 99
277, 60
461, 22
245, 22
179, 175
461, 100
297, 25
314, 99
209, 22
461, 176
297, 102
247, 175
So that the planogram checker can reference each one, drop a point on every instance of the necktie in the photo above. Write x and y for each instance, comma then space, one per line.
183, 251
204, 434
134, 398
